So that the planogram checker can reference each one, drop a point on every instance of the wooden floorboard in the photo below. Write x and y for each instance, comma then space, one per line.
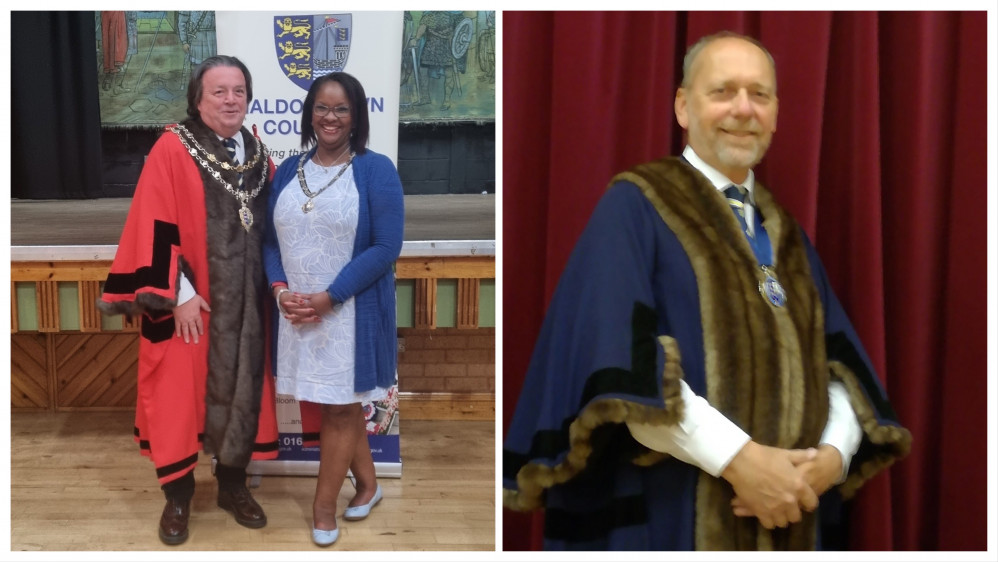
78, 483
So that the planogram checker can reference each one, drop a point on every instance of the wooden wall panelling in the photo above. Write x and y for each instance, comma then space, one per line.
425, 303
96, 370
93, 369
47, 293
29, 371
452, 267
447, 405
93, 270
89, 315
13, 308
467, 303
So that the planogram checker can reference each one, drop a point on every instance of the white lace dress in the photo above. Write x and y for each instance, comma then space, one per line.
315, 362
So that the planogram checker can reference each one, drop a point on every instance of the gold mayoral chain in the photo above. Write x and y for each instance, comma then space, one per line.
309, 205
208, 161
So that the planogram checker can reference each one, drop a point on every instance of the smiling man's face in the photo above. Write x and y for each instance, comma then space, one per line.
729, 108
223, 99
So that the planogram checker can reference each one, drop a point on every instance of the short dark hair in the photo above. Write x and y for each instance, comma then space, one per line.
195, 86
694, 51
359, 120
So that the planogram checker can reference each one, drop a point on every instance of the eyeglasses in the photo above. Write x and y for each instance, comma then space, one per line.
340, 111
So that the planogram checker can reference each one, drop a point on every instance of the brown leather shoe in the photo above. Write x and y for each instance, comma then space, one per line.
239, 501
173, 522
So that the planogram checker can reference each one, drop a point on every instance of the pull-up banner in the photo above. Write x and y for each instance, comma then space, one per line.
285, 51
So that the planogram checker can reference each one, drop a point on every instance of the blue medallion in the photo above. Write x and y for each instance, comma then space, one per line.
773, 291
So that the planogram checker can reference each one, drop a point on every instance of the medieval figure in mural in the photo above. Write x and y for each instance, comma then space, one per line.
197, 37
486, 50
696, 383
115, 49
189, 265
132, 28
433, 42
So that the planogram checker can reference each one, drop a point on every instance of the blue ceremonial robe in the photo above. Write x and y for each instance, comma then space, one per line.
661, 287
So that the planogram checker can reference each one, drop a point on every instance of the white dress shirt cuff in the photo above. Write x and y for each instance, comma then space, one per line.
186, 291
842, 430
704, 437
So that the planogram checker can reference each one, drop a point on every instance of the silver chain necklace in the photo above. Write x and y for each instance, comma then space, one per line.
245, 215
310, 204
211, 157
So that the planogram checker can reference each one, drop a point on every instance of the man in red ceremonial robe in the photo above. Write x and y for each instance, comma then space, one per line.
189, 263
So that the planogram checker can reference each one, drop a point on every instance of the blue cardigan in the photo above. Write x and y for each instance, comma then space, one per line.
369, 277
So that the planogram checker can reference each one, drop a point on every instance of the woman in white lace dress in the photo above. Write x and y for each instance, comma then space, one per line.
334, 232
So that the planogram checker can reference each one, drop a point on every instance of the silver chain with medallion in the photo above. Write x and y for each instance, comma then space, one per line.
309, 205
245, 215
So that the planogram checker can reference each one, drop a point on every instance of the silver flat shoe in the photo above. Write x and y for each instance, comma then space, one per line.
325, 538
359, 512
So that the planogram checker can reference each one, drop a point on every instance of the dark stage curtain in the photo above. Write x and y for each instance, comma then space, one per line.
55, 116
880, 153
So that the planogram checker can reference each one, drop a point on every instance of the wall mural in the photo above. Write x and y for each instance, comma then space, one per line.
144, 60
448, 66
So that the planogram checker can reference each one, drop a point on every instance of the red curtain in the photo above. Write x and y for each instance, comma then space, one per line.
880, 153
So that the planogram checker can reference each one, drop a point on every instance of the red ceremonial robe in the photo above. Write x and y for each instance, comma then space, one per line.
219, 392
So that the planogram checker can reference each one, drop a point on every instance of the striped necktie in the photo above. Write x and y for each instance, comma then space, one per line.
230, 148
736, 198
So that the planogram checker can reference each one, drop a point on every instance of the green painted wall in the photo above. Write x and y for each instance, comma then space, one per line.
69, 306
27, 306
446, 303
487, 303
404, 290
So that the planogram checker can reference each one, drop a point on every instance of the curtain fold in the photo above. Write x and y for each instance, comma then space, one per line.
527, 55
880, 153
965, 395
55, 113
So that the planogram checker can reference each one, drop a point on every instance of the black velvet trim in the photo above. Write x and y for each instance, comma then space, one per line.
840, 349
158, 331
310, 436
156, 274
267, 447
512, 463
641, 381
169, 469
612, 444
143, 443
576, 527
158, 314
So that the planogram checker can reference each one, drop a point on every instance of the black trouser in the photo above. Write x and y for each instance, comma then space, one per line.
229, 478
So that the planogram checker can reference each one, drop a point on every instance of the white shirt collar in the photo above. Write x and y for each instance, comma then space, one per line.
719, 180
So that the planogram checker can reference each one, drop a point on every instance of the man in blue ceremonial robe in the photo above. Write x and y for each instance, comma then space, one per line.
696, 383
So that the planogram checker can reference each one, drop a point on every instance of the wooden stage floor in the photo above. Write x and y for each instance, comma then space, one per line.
78, 483
98, 222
